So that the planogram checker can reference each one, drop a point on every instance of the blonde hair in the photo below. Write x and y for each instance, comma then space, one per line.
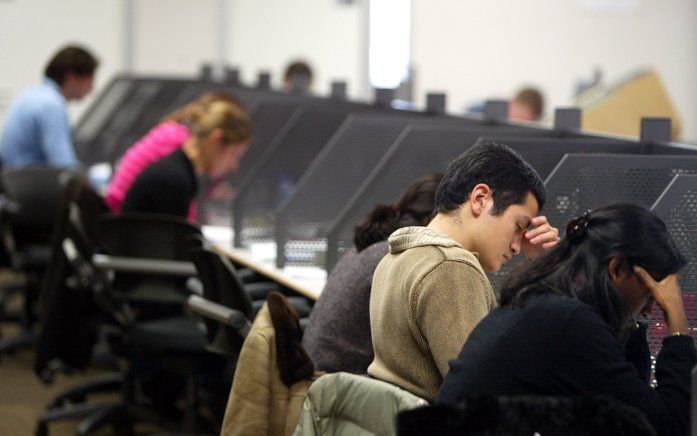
182, 114
219, 113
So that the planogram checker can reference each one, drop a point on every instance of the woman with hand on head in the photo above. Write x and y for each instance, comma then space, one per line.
220, 132
567, 323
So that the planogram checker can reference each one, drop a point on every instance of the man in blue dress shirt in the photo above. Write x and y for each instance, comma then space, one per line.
37, 129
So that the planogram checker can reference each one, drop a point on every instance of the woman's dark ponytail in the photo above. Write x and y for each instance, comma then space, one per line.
415, 208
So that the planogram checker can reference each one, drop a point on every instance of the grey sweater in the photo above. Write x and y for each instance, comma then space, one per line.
338, 336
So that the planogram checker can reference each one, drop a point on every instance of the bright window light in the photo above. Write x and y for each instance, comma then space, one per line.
390, 28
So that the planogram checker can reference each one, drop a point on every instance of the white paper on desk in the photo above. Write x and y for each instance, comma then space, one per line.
263, 251
218, 234
306, 272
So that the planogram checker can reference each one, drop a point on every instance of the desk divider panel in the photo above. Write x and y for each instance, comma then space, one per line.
273, 175
582, 182
677, 207
330, 182
99, 114
421, 149
268, 120
544, 154
146, 116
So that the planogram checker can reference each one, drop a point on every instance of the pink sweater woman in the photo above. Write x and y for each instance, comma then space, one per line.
161, 141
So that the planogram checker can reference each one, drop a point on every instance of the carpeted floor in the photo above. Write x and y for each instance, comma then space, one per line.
23, 397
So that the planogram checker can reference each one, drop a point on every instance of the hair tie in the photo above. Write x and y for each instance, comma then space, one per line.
576, 228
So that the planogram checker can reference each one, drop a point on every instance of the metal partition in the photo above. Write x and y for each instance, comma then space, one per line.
100, 112
544, 154
273, 175
419, 150
246, 96
671, 148
268, 120
677, 207
581, 182
127, 103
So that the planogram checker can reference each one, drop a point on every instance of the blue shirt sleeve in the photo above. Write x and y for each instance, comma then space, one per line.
55, 137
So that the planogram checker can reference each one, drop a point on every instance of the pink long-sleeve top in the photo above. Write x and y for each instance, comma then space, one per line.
162, 140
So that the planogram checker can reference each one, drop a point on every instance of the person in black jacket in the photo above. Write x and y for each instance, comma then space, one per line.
567, 324
220, 134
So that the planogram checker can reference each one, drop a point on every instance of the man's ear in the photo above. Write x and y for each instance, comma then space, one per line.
479, 197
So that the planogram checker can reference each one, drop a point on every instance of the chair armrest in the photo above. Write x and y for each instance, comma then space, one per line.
217, 312
138, 265
259, 290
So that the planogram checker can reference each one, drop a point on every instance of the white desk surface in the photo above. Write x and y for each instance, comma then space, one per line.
307, 281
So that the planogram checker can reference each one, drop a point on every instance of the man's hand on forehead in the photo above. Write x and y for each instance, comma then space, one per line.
539, 236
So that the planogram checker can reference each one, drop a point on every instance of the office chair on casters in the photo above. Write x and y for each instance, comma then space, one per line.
96, 274
27, 215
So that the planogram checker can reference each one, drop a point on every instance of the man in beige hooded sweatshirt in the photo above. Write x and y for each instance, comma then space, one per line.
431, 289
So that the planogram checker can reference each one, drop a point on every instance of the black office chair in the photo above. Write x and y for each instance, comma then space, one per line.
150, 237
94, 274
27, 216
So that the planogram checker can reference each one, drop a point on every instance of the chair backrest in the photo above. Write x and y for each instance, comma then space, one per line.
222, 285
69, 316
38, 193
677, 207
150, 236
350, 404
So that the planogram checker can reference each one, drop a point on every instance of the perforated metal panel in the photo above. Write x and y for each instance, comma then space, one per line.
420, 150
330, 182
143, 116
581, 182
268, 119
273, 176
245, 96
99, 113
544, 155
677, 207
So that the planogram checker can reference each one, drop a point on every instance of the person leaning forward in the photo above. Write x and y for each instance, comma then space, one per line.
430, 290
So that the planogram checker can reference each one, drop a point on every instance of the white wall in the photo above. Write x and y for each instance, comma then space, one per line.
31, 31
478, 49
267, 34
174, 37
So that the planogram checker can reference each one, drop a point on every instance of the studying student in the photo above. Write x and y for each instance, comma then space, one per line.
338, 335
37, 129
567, 325
220, 132
431, 289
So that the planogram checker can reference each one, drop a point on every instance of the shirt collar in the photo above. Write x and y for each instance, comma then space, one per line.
53, 85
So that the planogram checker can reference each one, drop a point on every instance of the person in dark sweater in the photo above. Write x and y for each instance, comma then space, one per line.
220, 133
567, 324
338, 335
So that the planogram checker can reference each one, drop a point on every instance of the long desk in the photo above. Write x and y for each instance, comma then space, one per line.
306, 281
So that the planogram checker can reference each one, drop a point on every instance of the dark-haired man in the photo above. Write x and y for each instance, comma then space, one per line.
298, 77
37, 129
431, 290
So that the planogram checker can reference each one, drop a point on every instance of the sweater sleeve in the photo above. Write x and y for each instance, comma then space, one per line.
596, 361
452, 299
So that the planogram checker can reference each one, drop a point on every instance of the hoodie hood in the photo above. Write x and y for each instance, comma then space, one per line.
410, 237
